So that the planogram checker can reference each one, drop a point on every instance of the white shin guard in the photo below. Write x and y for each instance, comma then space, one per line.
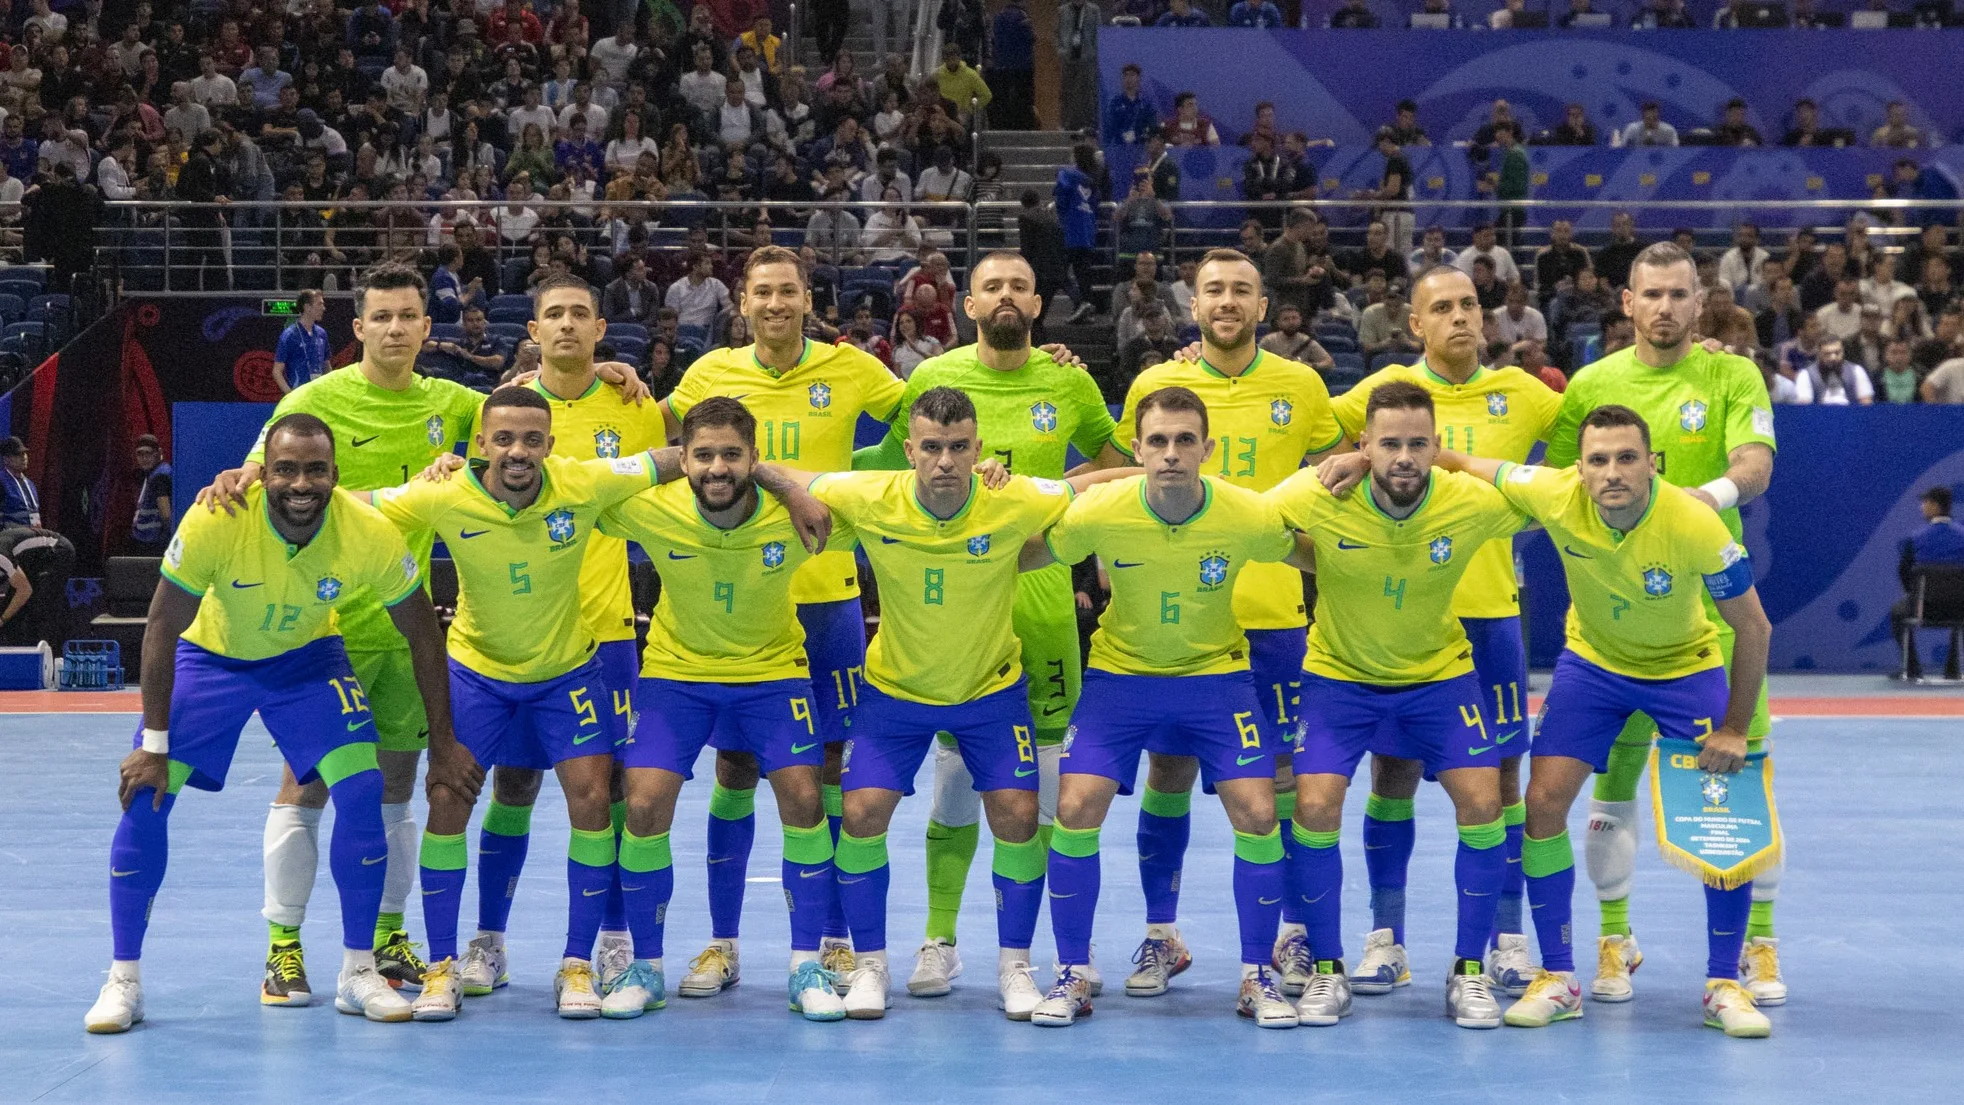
1049, 758
955, 802
404, 838
1610, 848
1766, 884
292, 850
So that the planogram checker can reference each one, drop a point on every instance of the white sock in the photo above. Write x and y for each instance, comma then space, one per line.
497, 938
956, 804
292, 850
126, 969
825, 942
727, 945
1766, 884
404, 839
607, 935
1610, 848
1007, 958
352, 961
574, 961
1162, 932
799, 959
1248, 969
1286, 930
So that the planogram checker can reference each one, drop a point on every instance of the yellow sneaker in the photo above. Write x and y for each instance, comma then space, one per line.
1617, 958
1759, 969
1730, 1007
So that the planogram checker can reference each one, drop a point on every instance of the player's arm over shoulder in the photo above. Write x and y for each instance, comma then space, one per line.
1302, 499
1496, 512
196, 551
390, 567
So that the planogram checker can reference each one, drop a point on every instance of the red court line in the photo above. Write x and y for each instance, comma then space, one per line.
1936, 704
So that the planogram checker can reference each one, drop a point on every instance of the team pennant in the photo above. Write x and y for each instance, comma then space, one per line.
1722, 828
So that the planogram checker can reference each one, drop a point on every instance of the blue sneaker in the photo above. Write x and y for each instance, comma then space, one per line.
639, 989
815, 994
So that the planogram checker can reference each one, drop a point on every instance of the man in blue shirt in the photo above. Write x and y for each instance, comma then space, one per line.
1130, 118
1254, 13
20, 500
151, 528
301, 354
1940, 541
1077, 213
449, 293
1181, 13
1012, 72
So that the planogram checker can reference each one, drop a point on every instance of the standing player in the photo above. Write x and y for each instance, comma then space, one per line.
1712, 424
807, 398
1269, 414
1169, 667
1497, 413
1390, 670
1636, 640
252, 597
525, 684
1030, 408
725, 665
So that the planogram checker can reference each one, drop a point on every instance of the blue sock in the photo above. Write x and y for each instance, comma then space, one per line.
1017, 872
1726, 912
1074, 878
441, 874
1550, 870
1478, 869
1316, 876
613, 918
1507, 918
501, 846
1165, 823
732, 829
863, 878
590, 863
1258, 893
137, 856
835, 910
647, 882
358, 855
810, 883
1388, 834
1292, 907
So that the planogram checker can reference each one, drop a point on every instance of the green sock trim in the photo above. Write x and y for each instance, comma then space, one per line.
617, 813
732, 805
347, 760
1285, 805
1166, 805
1516, 814
1616, 917
180, 773
1542, 858
386, 923
1760, 921
833, 797
1076, 843
857, 855
506, 820
1262, 848
1627, 759
592, 847
642, 854
808, 846
1379, 808
1047, 737
1018, 862
1490, 835
283, 934
1310, 838
950, 853
443, 852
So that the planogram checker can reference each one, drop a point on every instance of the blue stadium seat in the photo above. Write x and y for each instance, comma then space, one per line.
520, 302
33, 336
1381, 360
618, 330
25, 289
519, 315
1347, 371
31, 274
446, 331
697, 336
510, 331
12, 309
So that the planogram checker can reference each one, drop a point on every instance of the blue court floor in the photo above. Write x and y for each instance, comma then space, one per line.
1870, 808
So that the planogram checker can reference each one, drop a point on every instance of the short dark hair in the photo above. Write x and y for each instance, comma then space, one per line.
1229, 256
1183, 98
1408, 105
1611, 415
512, 396
1397, 395
999, 255
1299, 216
1940, 496
11, 446
297, 424
307, 297
1661, 255
388, 276
147, 441
943, 406
720, 410
449, 254
1170, 399
564, 280
1132, 67
775, 255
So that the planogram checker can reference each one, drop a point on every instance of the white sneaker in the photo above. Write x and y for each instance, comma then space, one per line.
1066, 1001
1293, 963
573, 989
1552, 996
1088, 971
1617, 958
1158, 959
1261, 1001
363, 992
1017, 993
1469, 998
117, 1007
1509, 965
1326, 1000
613, 953
815, 993
936, 967
1759, 968
443, 993
638, 989
483, 969
835, 955
1730, 1006
866, 990
1384, 967
712, 972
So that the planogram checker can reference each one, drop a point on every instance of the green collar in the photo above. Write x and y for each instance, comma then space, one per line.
539, 385
756, 508
974, 489
1246, 372
1478, 371
1619, 534
1371, 498
1206, 500
293, 550
804, 352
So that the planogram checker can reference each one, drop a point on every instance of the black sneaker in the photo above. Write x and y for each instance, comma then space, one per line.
396, 960
286, 977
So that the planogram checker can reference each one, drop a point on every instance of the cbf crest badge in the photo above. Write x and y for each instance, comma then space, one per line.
1657, 581
434, 429
774, 554
327, 589
1691, 416
559, 527
978, 546
1281, 412
1497, 405
1043, 417
606, 444
1213, 570
820, 395
1441, 549
1715, 789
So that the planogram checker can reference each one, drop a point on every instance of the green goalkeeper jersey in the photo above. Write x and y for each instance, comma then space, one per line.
1027, 417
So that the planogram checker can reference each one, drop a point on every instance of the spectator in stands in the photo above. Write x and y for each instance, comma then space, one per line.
932, 318
699, 297
1517, 319
1612, 259
1865, 348
891, 233
1253, 241
1881, 289
1897, 381
1935, 288
1394, 190
1254, 13
960, 84
1354, 15
1076, 41
1733, 129
151, 527
910, 346
1288, 274
1896, 131
1405, 130
474, 359
631, 296
1487, 286
1832, 380
1807, 129
1262, 179
1817, 288
1584, 303
1386, 327
1581, 13
1486, 246
1189, 126
833, 232
1040, 238
1376, 256
1663, 14
932, 272
1156, 340
1650, 129
1129, 299
1077, 213
1576, 129
302, 354
1431, 252
1012, 70
861, 334
1165, 169
1842, 318
1558, 261
1502, 18
1143, 219
1130, 118
1740, 266
1939, 541
1182, 13
1725, 321
1781, 317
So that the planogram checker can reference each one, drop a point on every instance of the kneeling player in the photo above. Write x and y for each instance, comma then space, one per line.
1169, 666
1636, 641
1385, 651
725, 657
251, 596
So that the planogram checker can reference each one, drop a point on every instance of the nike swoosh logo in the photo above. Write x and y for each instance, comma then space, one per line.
427, 893
850, 882
1318, 898
1049, 710
577, 741
467, 534
801, 749
1343, 544
366, 862
673, 555
1055, 896
811, 874
1570, 549
361, 441
1269, 901
1025, 772
248, 586
714, 860
1489, 894
493, 851
1507, 736
1478, 751
595, 893
354, 725
885, 540
115, 874
625, 889
1244, 761
1126, 564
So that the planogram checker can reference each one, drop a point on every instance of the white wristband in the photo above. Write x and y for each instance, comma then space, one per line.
157, 741
1723, 491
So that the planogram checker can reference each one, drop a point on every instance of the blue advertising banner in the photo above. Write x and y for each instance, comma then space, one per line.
1722, 828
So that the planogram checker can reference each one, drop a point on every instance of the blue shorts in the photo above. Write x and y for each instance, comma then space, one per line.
1501, 662
771, 720
891, 736
620, 670
835, 644
1215, 718
1587, 707
308, 698
1275, 666
1439, 724
534, 725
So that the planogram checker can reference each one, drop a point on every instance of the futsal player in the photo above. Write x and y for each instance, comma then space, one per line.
1269, 414
243, 620
1712, 425
1390, 670
1169, 668
1638, 638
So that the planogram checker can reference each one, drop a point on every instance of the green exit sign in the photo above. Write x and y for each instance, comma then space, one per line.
282, 308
